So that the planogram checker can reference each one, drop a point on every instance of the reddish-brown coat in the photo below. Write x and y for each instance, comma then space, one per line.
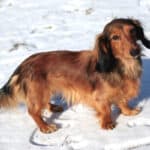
106, 75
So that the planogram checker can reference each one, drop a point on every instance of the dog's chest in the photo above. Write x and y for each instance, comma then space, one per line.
130, 88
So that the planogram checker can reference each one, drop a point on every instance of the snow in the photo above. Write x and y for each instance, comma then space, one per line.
29, 26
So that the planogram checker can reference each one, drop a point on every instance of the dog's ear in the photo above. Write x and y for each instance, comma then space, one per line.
140, 33
106, 60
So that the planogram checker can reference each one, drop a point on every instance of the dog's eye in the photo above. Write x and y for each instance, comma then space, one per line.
115, 37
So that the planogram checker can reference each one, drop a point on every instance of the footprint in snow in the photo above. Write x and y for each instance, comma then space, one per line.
139, 122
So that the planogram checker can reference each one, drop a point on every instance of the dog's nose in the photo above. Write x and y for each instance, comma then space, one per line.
134, 52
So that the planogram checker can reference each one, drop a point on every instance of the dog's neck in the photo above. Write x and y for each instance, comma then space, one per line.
128, 69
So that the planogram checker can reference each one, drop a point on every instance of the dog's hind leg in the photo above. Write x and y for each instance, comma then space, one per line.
36, 115
37, 100
53, 107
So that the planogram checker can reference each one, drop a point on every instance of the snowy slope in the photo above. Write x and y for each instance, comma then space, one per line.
29, 26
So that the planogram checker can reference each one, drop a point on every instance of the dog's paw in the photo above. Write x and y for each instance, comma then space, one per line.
108, 125
132, 112
56, 108
48, 128
136, 111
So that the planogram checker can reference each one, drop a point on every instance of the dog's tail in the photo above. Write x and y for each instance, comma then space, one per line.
9, 93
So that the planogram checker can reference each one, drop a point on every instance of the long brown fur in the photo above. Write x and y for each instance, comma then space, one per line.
108, 74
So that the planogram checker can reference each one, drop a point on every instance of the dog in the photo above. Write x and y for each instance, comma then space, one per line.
108, 74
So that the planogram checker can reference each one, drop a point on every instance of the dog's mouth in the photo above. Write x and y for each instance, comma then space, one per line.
138, 56
136, 53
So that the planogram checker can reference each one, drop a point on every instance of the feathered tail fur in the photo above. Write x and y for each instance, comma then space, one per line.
8, 94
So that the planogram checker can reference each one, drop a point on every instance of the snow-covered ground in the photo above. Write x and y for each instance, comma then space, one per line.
29, 26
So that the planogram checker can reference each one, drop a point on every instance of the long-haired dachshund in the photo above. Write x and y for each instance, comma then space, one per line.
108, 74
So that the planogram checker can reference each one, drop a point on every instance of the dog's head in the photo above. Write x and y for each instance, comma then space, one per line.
119, 41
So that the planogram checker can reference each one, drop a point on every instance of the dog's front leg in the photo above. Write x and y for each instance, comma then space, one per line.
103, 110
126, 110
